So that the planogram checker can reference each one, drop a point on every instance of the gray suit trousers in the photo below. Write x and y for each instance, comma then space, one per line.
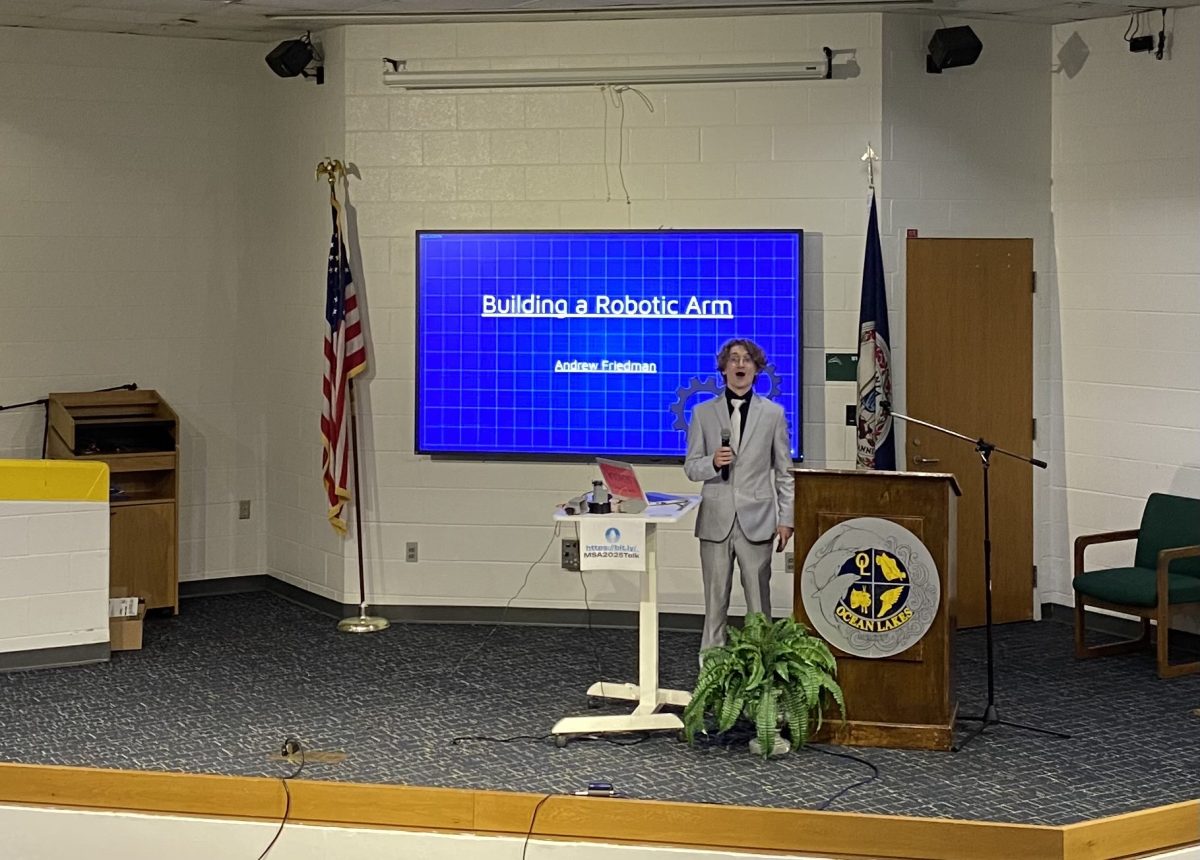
716, 568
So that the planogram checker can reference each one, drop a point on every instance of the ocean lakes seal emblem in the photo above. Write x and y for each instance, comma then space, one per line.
870, 587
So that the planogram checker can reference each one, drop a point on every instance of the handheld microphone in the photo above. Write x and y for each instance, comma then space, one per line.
886, 406
725, 444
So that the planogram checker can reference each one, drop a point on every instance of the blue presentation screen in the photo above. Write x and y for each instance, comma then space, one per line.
565, 344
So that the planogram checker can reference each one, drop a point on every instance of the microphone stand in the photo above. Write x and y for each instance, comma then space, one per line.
991, 715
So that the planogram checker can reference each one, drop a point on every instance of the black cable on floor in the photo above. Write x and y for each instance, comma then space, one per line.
509, 740
504, 612
874, 773
739, 735
287, 807
532, 819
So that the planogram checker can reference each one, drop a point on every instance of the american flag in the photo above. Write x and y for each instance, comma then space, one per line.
345, 358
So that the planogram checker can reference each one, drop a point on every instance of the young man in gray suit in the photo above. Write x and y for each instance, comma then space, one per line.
738, 445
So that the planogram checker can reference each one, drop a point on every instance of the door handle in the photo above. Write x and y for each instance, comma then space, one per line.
924, 461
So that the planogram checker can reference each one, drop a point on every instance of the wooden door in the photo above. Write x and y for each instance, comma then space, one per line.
141, 552
970, 369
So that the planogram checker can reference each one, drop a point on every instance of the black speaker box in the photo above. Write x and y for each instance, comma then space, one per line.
290, 58
952, 47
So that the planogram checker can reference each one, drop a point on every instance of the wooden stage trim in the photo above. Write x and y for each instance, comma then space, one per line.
616, 820
1126, 835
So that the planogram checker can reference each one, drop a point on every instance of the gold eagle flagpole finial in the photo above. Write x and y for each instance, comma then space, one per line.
331, 169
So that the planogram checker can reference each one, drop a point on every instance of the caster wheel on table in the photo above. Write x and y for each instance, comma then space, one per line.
560, 741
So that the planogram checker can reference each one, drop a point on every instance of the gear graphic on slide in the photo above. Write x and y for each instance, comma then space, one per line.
683, 395
712, 385
773, 377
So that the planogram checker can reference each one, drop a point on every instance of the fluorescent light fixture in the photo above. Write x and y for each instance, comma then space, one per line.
729, 73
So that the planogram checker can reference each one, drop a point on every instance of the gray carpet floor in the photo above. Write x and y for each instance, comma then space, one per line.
218, 688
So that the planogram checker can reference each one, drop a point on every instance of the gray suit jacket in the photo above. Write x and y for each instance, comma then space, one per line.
760, 486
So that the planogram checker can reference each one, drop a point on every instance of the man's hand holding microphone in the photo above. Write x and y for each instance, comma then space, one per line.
723, 456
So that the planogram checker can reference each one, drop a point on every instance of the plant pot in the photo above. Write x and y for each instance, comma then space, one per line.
782, 747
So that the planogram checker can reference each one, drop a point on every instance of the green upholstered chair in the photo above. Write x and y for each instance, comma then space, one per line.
1165, 576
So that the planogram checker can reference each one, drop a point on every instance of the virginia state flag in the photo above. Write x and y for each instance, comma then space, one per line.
876, 443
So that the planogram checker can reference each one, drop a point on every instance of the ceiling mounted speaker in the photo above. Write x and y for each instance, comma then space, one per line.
952, 47
290, 58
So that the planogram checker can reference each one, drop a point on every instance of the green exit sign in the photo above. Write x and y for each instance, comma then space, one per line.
841, 366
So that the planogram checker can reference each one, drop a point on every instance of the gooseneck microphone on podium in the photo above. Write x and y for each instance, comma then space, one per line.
725, 444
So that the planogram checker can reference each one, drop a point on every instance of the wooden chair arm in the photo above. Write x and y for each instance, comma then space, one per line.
1084, 541
1165, 557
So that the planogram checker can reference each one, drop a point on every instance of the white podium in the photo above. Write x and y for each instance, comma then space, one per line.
646, 692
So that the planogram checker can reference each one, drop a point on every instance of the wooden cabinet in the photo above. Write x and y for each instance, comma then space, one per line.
136, 433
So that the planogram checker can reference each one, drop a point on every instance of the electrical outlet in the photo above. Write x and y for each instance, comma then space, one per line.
410, 551
570, 554
789, 562
244, 509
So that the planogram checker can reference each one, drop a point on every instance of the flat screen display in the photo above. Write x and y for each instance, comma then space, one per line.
576, 344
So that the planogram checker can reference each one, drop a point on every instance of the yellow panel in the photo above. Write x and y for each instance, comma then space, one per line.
53, 481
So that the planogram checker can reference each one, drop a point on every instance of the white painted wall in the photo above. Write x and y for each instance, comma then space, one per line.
34, 833
284, 256
760, 155
1122, 345
966, 154
159, 222
37, 833
123, 164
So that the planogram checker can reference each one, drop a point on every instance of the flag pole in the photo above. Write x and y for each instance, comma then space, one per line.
332, 169
362, 623
875, 444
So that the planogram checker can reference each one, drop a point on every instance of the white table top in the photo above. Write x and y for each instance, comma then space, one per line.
667, 511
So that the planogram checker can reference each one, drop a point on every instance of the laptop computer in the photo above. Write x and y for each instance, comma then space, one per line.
621, 480
623, 483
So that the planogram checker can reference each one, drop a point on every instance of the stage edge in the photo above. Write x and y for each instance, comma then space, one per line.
616, 820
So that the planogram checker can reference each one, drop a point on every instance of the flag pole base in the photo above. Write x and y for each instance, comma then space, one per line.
363, 623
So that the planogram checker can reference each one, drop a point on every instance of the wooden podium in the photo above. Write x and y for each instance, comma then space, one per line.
904, 700
136, 433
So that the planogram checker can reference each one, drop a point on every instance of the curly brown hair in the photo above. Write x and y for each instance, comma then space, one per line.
756, 353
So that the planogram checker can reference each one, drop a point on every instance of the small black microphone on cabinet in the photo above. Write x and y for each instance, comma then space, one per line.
725, 444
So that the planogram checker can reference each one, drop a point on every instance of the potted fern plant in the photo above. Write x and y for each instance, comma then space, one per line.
771, 673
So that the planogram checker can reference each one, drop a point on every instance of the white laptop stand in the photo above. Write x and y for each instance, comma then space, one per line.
646, 692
